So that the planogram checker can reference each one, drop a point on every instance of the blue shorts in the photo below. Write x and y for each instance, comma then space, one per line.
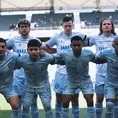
86, 88
18, 85
8, 92
43, 92
99, 89
110, 92
60, 83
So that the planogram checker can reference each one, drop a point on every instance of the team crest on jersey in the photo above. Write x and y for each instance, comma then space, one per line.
60, 40
19, 44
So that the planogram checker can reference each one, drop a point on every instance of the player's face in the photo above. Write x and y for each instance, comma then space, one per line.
68, 26
116, 46
34, 52
76, 47
2, 48
106, 26
24, 29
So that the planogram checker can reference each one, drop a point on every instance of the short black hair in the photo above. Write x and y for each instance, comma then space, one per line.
2, 40
67, 19
76, 38
34, 43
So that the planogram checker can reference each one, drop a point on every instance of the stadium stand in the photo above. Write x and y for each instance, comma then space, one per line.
92, 19
48, 20
8, 22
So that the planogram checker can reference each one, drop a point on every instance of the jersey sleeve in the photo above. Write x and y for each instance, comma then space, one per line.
51, 42
101, 56
58, 58
19, 62
91, 41
10, 43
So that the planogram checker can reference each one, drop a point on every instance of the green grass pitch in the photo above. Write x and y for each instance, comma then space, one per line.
5, 109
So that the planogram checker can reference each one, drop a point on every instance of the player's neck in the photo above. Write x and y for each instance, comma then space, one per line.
76, 54
34, 59
67, 34
107, 34
25, 36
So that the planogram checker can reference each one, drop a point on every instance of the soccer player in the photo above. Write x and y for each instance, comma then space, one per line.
62, 42
7, 64
111, 82
35, 66
102, 41
19, 45
77, 63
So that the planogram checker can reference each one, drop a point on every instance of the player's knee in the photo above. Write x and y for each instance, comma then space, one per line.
90, 102
100, 98
109, 106
47, 106
66, 104
26, 104
15, 105
75, 100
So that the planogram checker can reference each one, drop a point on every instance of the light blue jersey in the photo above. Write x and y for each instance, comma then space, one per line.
77, 67
101, 42
62, 42
19, 45
7, 66
112, 66
36, 72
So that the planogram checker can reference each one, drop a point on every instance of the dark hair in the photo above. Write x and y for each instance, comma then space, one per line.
67, 19
76, 38
2, 40
34, 43
113, 28
116, 38
23, 22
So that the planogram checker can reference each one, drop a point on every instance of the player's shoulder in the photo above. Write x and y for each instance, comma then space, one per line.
87, 51
12, 55
23, 57
14, 37
108, 50
47, 55
65, 52
95, 37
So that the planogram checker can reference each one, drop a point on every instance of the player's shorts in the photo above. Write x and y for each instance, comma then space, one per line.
8, 92
18, 85
110, 92
86, 88
60, 83
99, 89
44, 93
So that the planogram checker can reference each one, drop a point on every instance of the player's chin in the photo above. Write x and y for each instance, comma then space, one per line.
1, 54
34, 56
24, 33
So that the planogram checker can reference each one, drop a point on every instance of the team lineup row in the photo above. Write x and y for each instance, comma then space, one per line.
31, 76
